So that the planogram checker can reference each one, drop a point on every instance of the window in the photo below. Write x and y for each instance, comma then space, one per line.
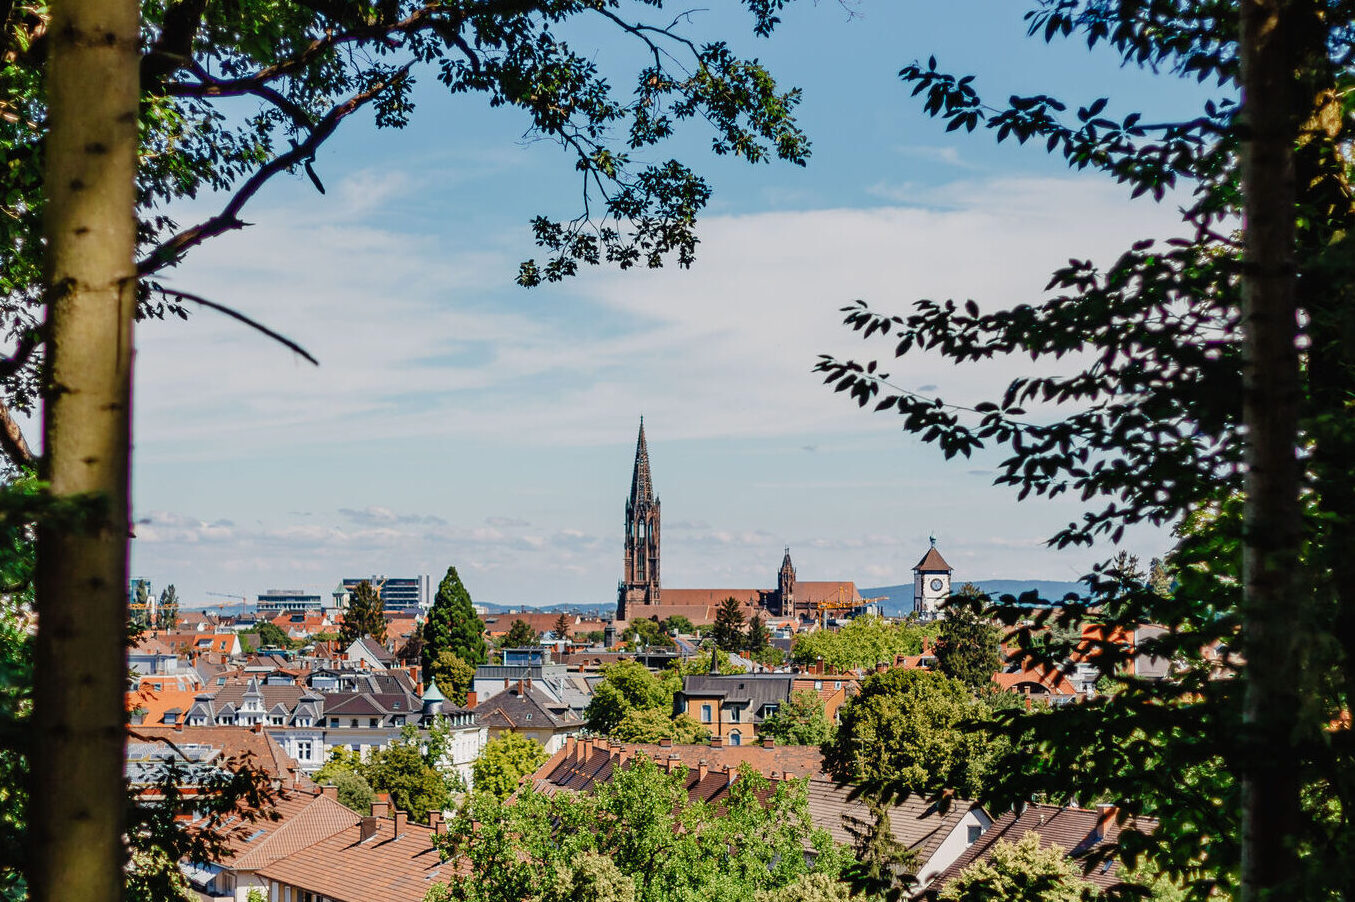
734, 715
818, 684
374, 722
353, 722
735, 738
334, 721
975, 831
770, 710
303, 749
705, 713
275, 720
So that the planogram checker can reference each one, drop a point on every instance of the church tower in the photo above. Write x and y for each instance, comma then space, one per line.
640, 584
931, 583
785, 587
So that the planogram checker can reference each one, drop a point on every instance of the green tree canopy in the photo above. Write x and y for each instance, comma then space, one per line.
862, 642
638, 836
270, 634
728, 629
913, 728
167, 612
503, 763
654, 724
1020, 872
968, 642
452, 675
759, 637
799, 721
414, 782
677, 625
364, 616
562, 626
520, 635
627, 686
453, 626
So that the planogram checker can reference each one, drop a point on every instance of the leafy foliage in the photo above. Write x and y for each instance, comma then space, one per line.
647, 632
503, 763
1020, 872
653, 724
914, 729
452, 675
799, 721
1150, 430
862, 642
453, 627
660, 844
967, 643
628, 686
520, 635
364, 616
167, 611
271, 635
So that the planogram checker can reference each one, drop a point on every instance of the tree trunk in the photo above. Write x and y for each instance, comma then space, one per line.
77, 801
1273, 603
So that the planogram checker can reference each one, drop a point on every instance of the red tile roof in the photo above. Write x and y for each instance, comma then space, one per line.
303, 820
382, 868
932, 562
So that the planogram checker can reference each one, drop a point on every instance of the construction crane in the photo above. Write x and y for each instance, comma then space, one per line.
845, 601
244, 599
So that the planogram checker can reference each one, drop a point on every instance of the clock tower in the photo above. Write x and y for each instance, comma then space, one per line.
931, 583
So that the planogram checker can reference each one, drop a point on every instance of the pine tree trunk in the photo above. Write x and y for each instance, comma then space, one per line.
77, 802
1273, 603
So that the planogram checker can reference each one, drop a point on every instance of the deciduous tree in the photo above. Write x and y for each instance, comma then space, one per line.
912, 728
503, 763
1020, 872
799, 721
452, 675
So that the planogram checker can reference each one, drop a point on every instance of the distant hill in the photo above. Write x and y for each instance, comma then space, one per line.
584, 609
899, 599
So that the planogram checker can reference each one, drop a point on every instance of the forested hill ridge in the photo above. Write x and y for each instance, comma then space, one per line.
898, 600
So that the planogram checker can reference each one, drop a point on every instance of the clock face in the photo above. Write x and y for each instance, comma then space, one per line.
936, 585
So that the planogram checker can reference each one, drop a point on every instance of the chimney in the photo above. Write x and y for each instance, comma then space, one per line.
622, 757
881, 666
585, 750
529, 684
602, 745
368, 828
571, 748
519, 687
330, 791
471, 699
768, 742
401, 818
665, 743
702, 768
436, 822
717, 742
1105, 816
729, 774
381, 807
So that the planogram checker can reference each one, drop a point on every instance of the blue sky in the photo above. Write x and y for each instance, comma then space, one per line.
458, 419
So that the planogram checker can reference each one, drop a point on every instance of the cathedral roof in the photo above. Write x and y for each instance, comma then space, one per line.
641, 486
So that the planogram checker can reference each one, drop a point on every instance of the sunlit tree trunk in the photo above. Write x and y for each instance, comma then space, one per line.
1274, 606
76, 811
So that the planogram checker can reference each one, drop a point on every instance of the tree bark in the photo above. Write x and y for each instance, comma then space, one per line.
1273, 602
77, 803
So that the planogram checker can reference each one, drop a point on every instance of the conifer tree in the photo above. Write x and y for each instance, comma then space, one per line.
967, 647
453, 625
168, 615
728, 631
758, 636
366, 615
561, 627
520, 635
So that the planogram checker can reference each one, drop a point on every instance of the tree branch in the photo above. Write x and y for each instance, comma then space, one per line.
172, 249
12, 440
240, 317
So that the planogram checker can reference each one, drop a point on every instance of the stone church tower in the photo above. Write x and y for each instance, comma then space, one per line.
785, 587
640, 584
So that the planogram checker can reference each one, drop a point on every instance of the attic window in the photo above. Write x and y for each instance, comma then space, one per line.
529, 716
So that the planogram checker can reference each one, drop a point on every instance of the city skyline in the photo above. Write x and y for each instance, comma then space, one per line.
459, 420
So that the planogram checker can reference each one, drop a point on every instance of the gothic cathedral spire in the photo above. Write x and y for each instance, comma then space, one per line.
640, 583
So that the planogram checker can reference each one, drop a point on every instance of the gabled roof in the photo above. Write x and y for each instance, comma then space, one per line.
304, 820
1074, 830
528, 709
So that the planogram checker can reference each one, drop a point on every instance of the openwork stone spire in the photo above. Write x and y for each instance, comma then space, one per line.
641, 485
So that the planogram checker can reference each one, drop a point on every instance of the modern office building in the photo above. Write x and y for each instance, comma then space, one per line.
276, 601
398, 594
